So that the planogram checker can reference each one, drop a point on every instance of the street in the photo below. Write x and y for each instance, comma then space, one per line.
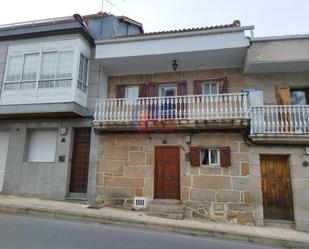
18, 232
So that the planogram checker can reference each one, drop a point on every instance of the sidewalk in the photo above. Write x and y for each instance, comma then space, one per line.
79, 212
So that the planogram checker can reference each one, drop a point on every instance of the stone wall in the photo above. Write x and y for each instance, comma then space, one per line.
234, 76
126, 170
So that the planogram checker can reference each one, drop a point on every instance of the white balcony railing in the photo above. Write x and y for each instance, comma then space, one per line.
271, 119
190, 107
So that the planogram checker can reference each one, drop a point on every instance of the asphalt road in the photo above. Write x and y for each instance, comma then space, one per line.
18, 232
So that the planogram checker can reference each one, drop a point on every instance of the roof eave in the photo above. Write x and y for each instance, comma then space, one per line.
174, 35
49, 33
280, 38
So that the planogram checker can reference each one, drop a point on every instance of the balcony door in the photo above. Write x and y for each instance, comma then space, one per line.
300, 117
300, 96
168, 106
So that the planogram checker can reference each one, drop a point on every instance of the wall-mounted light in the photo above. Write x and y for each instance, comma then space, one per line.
175, 65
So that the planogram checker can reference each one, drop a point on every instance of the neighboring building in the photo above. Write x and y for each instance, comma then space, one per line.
193, 135
49, 84
204, 123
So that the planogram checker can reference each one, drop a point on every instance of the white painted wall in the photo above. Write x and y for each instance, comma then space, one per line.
4, 143
171, 45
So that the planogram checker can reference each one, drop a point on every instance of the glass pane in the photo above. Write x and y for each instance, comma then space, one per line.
47, 84
132, 92
27, 85
85, 71
11, 86
30, 67
49, 65
65, 63
204, 157
298, 97
214, 157
167, 91
214, 88
81, 67
14, 68
206, 89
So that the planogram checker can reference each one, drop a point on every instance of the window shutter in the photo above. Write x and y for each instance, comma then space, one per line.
225, 157
283, 95
223, 86
197, 87
181, 87
152, 89
120, 91
195, 156
142, 90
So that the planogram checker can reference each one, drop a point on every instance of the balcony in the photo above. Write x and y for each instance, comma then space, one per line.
280, 123
177, 112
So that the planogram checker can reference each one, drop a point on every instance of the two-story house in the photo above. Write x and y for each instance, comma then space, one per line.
49, 83
206, 123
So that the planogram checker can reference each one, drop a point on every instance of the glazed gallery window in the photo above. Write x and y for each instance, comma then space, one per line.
210, 156
210, 88
49, 69
42, 145
56, 69
21, 72
83, 73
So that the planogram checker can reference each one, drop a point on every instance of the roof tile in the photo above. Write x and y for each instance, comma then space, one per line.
235, 24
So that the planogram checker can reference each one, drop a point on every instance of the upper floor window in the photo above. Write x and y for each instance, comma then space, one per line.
56, 69
168, 90
21, 72
131, 92
300, 96
83, 73
210, 88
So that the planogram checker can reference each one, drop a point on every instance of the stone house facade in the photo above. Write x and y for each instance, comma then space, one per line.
203, 123
239, 193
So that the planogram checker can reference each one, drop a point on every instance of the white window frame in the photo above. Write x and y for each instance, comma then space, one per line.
82, 85
38, 71
21, 80
127, 88
173, 85
209, 156
56, 79
210, 83
29, 149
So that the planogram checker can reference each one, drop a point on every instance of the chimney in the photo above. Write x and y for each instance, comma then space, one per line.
236, 23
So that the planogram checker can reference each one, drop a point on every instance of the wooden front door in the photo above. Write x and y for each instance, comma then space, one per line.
276, 187
167, 172
80, 160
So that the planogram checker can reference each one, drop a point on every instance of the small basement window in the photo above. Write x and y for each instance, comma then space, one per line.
42, 146
210, 156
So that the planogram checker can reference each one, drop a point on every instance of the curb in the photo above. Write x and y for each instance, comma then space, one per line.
79, 216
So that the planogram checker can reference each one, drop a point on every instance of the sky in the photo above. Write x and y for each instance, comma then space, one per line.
270, 17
